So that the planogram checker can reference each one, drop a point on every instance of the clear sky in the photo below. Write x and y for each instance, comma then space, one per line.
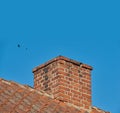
84, 30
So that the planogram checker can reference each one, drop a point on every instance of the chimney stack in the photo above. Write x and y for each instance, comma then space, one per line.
67, 80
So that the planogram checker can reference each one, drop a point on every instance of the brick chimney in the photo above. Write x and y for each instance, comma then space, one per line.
67, 80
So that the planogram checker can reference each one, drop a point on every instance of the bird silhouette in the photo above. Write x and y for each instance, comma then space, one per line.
18, 45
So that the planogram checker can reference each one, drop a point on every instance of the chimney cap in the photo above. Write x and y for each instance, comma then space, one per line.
65, 59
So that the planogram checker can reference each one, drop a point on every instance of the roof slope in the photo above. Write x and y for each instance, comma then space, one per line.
16, 98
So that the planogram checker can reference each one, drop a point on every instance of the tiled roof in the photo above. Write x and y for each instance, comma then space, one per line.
97, 110
16, 98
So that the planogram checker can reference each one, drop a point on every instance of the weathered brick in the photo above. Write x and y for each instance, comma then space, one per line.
66, 77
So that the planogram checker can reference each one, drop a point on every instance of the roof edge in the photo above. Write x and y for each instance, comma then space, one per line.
9, 82
98, 109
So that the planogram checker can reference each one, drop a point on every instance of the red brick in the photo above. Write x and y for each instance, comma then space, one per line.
69, 80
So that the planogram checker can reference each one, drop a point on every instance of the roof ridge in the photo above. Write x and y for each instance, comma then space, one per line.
9, 82
99, 109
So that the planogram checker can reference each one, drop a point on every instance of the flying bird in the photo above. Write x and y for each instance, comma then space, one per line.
18, 45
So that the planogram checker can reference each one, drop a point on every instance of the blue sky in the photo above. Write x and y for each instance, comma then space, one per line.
86, 31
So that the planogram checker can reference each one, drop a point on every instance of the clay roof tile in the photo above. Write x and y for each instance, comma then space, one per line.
18, 98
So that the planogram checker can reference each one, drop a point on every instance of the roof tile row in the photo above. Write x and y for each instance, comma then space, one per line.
16, 98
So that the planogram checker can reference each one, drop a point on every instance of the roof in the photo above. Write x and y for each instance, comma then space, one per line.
65, 59
16, 98
97, 110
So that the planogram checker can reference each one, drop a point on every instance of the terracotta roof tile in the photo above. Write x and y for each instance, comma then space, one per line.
97, 110
16, 98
